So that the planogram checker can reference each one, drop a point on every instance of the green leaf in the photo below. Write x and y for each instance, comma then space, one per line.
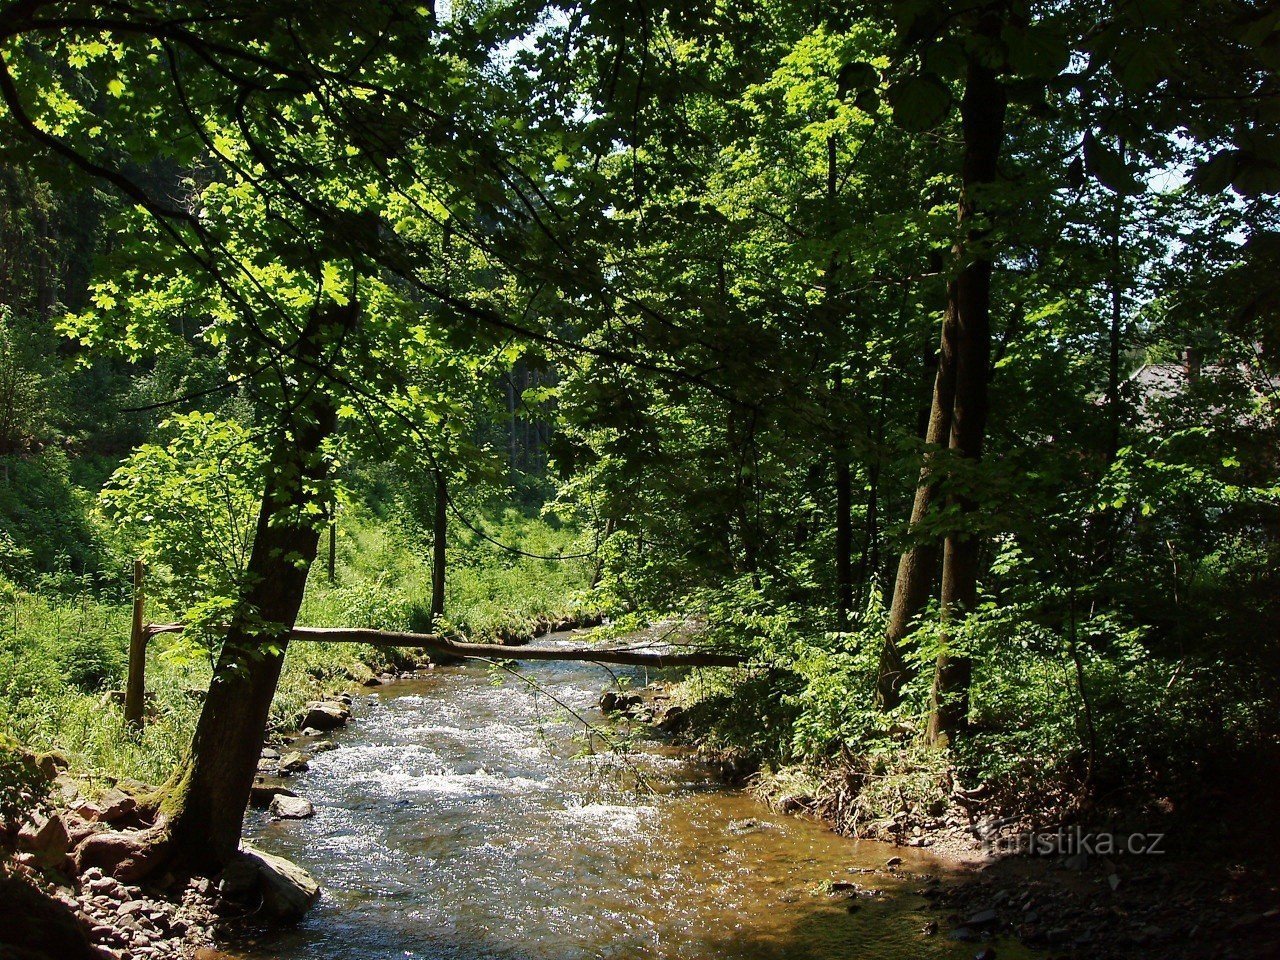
1109, 168
1216, 175
919, 102
1255, 176
855, 77
1037, 51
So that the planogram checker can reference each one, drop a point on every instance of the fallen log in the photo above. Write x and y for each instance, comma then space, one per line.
624, 656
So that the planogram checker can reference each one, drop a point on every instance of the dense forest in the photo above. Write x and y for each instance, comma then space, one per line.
922, 358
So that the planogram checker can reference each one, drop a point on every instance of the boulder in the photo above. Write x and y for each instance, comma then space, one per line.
286, 889
291, 808
115, 805
983, 918
264, 791
36, 927
294, 762
618, 701
670, 719
325, 715
46, 838
52, 763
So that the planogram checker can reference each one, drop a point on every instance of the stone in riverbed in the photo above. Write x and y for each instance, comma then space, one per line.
291, 808
294, 762
614, 701
286, 889
325, 715
264, 791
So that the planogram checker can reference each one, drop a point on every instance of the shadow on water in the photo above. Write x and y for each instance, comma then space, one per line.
458, 820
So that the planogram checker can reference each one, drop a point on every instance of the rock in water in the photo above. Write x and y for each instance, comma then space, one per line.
323, 715
293, 762
287, 890
265, 790
291, 808
614, 701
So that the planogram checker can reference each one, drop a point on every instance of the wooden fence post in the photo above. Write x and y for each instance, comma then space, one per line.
135, 691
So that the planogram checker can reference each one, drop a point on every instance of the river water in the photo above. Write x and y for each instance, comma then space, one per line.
460, 818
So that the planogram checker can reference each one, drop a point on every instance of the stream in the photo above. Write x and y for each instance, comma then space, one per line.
460, 817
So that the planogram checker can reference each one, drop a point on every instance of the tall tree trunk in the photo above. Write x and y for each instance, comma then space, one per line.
1114, 331
918, 563
982, 114
843, 478
208, 799
962, 368
440, 531
869, 562
844, 538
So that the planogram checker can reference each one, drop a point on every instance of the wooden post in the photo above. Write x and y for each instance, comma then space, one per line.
135, 691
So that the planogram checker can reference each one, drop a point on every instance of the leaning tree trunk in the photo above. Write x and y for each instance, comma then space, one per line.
207, 800
919, 561
982, 114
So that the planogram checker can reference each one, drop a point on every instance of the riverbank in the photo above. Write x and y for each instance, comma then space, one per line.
124, 912
1177, 889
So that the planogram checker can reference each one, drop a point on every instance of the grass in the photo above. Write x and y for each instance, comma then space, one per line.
62, 656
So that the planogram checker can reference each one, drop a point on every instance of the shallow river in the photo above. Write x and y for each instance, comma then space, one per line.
460, 819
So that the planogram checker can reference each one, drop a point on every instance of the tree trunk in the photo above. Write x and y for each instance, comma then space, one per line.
919, 561
958, 413
982, 115
438, 546
844, 478
208, 797
844, 538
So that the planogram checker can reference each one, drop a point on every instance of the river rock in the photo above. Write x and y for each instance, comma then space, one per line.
616, 701
294, 762
264, 791
36, 927
670, 718
325, 715
291, 808
287, 890
984, 918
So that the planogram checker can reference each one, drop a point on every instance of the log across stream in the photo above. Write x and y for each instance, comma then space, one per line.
458, 818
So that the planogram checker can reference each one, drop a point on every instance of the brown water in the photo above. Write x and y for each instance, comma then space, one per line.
458, 819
